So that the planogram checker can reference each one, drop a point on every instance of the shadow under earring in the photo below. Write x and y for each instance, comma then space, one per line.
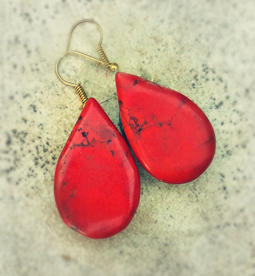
96, 184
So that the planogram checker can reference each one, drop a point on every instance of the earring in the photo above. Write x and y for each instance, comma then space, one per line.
96, 184
169, 134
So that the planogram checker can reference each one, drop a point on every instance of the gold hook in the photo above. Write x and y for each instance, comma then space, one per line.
78, 88
112, 66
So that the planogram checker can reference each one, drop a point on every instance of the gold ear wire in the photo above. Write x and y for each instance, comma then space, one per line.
112, 66
78, 88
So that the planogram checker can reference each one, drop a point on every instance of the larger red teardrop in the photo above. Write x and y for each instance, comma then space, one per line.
169, 134
97, 185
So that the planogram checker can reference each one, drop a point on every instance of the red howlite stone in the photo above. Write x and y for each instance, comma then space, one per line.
97, 185
169, 134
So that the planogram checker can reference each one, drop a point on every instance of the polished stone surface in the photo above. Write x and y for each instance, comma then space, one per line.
96, 183
169, 134
205, 50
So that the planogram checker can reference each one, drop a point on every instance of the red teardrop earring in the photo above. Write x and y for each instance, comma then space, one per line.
170, 135
96, 185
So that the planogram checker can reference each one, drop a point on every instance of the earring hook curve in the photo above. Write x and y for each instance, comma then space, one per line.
78, 88
68, 83
80, 22
112, 66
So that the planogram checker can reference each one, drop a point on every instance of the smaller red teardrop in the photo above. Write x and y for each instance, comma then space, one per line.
96, 185
169, 134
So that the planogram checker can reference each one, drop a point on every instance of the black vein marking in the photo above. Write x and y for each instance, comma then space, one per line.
80, 117
65, 183
84, 134
156, 120
169, 123
107, 142
124, 109
133, 123
85, 142
135, 83
183, 101
132, 85
135, 126
112, 152
71, 196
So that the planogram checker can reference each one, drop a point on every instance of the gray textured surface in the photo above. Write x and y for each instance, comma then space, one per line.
204, 49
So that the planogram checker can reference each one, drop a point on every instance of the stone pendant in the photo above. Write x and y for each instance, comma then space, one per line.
169, 134
96, 185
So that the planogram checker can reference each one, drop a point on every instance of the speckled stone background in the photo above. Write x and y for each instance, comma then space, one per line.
204, 49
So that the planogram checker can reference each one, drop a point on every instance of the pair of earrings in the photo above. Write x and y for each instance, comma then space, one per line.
97, 185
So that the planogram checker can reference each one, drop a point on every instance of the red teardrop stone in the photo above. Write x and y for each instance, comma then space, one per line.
169, 134
97, 185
